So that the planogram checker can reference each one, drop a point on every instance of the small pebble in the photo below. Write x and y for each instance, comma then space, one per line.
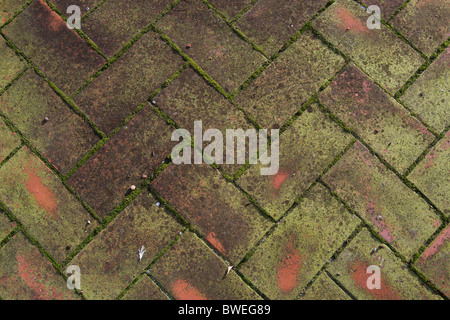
153, 102
144, 176
158, 204
89, 221
133, 187
188, 45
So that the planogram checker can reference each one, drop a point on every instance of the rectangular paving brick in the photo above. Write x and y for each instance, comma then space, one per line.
431, 175
434, 263
379, 52
44, 206
396, 212
229, 8
376, 117
8, 8
270, 23
137, 149
25, 274
397, 282
300, 245
10, 64
44, 37
429, 95
306, 149
426, 23
110, 262
64, 138
145, 289
387, 7
6, 225
324, 288
8, 141
117, 21
85, 6
191, 271
208, 40
279, 92
121, 88
216, 207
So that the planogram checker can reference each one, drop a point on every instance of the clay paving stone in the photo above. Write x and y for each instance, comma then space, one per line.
431, 175
270, 23
127, 83
397, 282
10, 64
214, 206
85, 6
376, 117
117, 21
388, 8
306, 149
290, 257
380, 52
6, 225
44, 206
213, 45
64, 138
8, 141
229, 8
426, 23
434, 262
191, 271
279, 92
137, 149
399, 214
145, 289
110, 262
58, 51
25, 274
429, 95
324, 288
8, 8
189, 98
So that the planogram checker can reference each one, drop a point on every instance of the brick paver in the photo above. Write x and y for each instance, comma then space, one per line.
229, 8
10, 64
10, 140
145, 289
85, 5
324, 288
8, 8
388, 8
6, 225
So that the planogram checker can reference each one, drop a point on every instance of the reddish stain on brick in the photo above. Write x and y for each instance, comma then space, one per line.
52, 20
288, 268
45, 198
183, 290
349, 22
384, 227
215, 241
279, 179
437, 244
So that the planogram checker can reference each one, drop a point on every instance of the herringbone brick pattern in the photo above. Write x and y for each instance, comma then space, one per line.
364, 169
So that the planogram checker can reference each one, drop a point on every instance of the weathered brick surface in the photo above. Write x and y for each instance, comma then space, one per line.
431, 175
64, 138
306, 149
324, 288
229, 8
400, 216
388, 8
10, 64
376, 117
300, 246
279, 92
211, 43
145, 289
8, 8
8, 141
201, 277
85, 5
383, 55
397, 282
6, 225
111, 261
44, 37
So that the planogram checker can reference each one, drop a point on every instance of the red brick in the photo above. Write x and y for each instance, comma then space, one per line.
145, 289
8, 141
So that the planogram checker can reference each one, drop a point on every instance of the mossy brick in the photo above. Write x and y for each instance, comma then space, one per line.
376, 117
8, 8
397, 281
307, 147
144, 289
110, 262
229, 8
323, 288
270, 23
388, 8
279, 92
57, 51
6, 225
190, 98
64, 138
85, 6
137, 149
8, 141
433, 262
127, 83
397, 213
431, 175
26, 274
379, 52
191, 271
207, 39
302, 243
214, 206
426, 23
429, 95
39, 200
116, 22
10, 64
